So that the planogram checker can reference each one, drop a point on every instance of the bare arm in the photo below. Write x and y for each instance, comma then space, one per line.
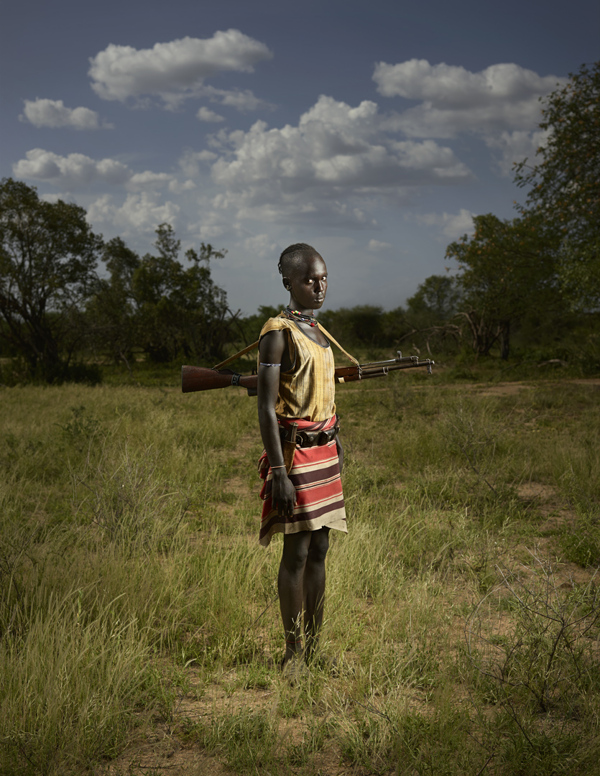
272, 351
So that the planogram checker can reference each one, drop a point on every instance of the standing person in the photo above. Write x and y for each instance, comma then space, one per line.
296, 386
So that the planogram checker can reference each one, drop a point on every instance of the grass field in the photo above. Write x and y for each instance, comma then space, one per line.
139, 624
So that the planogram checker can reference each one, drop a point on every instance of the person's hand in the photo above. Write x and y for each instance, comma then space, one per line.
283, 493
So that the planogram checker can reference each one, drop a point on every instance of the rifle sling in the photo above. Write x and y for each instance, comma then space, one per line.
243, 352
236, 355
335, 342
256, 344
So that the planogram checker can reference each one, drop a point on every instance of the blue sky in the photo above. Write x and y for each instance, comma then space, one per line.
372, 130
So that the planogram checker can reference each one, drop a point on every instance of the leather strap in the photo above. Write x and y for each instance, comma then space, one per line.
335, 342
243, 352
256, 344
310, 438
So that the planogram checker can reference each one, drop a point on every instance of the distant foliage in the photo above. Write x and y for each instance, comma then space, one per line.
157, 305
360, 325
59, 317
247, 330
564, 182
48, 259
508, 275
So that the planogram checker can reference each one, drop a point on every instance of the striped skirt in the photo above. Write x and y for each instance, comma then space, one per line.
319, 497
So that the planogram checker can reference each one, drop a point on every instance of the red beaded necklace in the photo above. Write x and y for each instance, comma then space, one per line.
310, 319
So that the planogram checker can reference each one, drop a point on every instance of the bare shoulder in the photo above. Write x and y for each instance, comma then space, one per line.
272, 345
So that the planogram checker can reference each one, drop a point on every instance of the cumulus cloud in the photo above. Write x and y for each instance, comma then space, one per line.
72, 170
516, 146
376, 245
242, 101
78, 170
503, 97
192, 163
179, 187
138, 213
148, 180
212, 225
54, 113
328, 169
260, 245
205, 114
333, 145
451, 226
172, 70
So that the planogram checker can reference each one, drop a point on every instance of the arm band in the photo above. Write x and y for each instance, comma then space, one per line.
262, 363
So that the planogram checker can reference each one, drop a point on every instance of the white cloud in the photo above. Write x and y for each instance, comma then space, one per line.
54, 113
72, 170
205, 114
326, 170
192, 163
78, 170
179, 187
333, 145
238, 99
516, 146
148, 180
53, 197
451, 226
445, 84
212, 226
138, 213
172, 70
453, 99
260, 245
242, 100
377, 245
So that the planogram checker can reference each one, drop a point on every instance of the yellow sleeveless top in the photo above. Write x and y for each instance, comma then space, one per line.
308, 389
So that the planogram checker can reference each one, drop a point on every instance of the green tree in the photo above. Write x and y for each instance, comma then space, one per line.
48, 257
564, 182
359, 325
507, 273
435, 301
111, 311
156, 305
179, 310
429, 317
248, 328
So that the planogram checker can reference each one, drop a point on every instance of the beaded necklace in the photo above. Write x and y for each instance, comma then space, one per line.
310, 319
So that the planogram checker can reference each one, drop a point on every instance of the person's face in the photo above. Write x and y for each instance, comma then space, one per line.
308, 284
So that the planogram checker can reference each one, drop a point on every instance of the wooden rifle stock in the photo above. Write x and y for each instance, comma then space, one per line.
197, 378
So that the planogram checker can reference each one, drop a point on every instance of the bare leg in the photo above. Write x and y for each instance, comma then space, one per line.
314, 588
290, 586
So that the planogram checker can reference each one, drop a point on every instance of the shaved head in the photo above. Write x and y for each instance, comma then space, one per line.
293, 256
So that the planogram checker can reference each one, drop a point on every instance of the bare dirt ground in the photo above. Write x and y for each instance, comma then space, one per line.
162, 748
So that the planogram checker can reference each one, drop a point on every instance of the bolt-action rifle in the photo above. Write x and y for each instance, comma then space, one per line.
197, 378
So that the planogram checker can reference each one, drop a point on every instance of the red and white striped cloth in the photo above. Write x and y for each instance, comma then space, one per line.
316, 477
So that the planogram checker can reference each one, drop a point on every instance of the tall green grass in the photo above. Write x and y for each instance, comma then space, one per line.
129, 557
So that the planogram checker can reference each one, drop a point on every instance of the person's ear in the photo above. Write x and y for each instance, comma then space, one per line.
286, 284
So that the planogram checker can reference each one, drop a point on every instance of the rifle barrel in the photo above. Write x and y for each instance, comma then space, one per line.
399, 360
379, 369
